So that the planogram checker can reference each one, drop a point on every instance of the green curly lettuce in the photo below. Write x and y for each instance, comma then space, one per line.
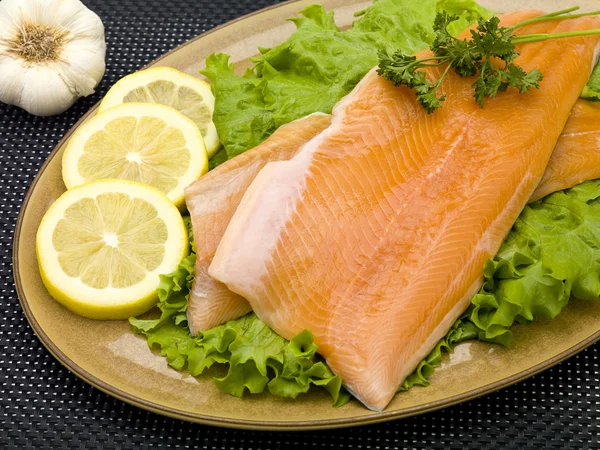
317, 65
173, 291
592, 89
256, 356
551, 254
462, 330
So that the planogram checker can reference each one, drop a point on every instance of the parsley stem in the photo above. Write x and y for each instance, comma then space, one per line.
442, 61
558, 15
574, 16
419, 62
526, 38
470, 58
433, 58
549, 16
439, 82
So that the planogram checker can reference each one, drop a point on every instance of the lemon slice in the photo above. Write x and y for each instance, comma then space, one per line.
143, 142
102, 246
187, 94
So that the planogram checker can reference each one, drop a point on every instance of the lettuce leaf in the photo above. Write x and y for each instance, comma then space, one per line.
256, 356
592, 89
218, 158
317, 66
462, 330
173, 291
551, 254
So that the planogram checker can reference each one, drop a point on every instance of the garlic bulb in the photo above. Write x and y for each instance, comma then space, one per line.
51, 53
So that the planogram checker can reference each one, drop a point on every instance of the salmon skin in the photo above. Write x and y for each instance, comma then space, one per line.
576, 157
374, 235
213, 199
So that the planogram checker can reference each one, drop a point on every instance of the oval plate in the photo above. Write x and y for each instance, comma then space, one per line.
110, 357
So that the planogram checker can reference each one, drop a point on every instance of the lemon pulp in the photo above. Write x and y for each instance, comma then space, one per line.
152, 144
189, 95
102, 246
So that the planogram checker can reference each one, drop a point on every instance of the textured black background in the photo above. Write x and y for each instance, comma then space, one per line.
42, 405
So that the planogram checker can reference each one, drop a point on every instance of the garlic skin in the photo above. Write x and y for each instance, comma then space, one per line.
51, 53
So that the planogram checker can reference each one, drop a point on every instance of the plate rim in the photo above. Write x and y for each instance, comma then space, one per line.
220, 421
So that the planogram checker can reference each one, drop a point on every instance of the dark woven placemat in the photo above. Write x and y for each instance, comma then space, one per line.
42, 405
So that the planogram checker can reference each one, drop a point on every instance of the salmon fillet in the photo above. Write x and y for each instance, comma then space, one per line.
576, 157
374, 235
213, 199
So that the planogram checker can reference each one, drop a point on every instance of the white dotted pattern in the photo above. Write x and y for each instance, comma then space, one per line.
44, 406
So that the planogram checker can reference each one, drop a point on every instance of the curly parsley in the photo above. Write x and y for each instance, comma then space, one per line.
489, 41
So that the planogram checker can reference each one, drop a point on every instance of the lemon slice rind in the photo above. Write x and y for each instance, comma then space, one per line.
76, 147
109, 303
116, 95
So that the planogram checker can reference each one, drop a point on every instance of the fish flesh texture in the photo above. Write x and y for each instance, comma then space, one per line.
213, 199
374, 235
576, 157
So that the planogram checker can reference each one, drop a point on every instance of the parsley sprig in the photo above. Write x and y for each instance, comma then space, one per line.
472, 57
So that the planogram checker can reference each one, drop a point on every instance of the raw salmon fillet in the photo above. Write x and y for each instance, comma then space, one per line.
213, 199
374, 235
576, 157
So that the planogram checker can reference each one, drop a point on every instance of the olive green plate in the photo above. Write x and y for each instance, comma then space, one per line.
109, 356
